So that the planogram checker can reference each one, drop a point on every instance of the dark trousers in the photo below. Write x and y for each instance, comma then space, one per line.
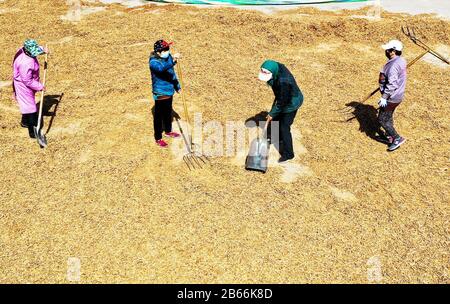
286, 147
29, 121
386, 119
162, 118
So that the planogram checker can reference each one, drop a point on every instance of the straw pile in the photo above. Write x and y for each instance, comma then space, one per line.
104, 193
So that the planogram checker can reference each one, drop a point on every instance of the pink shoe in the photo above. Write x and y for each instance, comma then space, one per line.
161, 143
172, 135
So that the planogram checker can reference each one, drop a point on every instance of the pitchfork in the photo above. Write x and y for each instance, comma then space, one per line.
192, 158
410, 32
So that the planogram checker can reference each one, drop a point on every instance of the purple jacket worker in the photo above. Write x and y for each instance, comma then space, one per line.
392, 86
26, 82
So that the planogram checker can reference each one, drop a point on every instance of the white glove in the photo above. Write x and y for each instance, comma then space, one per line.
382, 103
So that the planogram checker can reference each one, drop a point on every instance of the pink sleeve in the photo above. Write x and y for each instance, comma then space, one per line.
26, 75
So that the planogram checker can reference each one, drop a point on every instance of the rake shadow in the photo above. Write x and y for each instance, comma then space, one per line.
367, 117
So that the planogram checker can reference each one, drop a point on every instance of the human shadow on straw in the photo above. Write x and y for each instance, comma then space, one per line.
367, 117
51, 101
259, 120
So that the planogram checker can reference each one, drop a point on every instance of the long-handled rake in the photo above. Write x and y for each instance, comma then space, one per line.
410, 32
42, 141
192, 158
349, 109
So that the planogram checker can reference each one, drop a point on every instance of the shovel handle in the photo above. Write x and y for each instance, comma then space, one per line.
41, 104
266, 126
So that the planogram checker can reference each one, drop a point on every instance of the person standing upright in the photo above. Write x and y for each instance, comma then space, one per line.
26, 82
392, 86
164, 85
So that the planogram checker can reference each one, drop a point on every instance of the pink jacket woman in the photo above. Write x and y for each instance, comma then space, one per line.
26, 81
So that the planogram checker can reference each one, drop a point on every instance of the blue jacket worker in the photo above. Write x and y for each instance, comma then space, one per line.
164, 85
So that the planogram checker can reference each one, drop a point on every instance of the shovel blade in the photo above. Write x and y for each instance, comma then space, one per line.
42, 141
258, 157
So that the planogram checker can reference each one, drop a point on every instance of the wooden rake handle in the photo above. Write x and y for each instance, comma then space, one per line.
183, 98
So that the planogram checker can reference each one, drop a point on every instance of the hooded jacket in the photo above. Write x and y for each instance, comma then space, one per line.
164, 79
26, 81
288, 96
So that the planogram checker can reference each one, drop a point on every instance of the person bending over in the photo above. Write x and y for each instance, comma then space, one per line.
288, 99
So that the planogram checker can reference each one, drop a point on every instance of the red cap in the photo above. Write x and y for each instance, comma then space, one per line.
161, 45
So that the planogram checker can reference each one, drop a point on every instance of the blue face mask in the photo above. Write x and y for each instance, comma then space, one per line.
165, 55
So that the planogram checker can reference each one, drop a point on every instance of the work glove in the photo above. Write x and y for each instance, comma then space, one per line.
382, 103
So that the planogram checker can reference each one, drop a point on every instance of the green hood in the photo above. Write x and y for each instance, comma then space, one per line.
273, 67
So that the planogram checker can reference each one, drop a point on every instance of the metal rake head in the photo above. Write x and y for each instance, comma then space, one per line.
410, 32
195, 160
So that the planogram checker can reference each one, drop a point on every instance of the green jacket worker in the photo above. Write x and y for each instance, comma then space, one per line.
288, 99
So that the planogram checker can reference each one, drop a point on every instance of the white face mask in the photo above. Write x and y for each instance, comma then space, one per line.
263, 76
165, 54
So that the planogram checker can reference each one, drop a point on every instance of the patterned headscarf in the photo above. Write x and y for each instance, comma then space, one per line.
32, 48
